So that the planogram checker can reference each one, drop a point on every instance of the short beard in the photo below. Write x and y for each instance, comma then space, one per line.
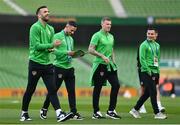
45, 20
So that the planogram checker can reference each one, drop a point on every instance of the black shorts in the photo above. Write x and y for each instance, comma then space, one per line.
155, 77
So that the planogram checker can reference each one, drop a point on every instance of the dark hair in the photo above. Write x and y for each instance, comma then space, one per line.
105, 18
72, 23
38, 9
152, 28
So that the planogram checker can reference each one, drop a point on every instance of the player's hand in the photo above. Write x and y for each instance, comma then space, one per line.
106, 60
51, 50
56, 43
71, 53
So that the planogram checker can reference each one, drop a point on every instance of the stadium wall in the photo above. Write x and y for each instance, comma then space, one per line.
15, 30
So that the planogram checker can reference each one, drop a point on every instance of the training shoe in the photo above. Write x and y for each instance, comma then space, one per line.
162, 109
43, 114
76, 116
113, 115
135, 113
160, 115
97, 115
63, 116
25, 117
142, 109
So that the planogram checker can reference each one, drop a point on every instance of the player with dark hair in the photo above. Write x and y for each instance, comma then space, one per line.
63, 68
156, 80
41, 35
149, 57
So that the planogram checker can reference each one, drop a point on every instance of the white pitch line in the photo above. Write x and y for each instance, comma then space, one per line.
118, 8
16, 7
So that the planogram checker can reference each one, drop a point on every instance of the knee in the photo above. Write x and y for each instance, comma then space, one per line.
116, 86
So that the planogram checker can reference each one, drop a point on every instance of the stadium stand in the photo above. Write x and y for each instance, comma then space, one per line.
13, 67
5, 9
156, 8
99, 8
13, 64
91, 8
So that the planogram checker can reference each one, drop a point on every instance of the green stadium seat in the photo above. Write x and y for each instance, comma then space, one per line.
156, 8
14, 64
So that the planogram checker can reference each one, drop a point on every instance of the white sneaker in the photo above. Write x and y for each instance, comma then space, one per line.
162, 109
63, 116
160, 116
135, 113
142, 109
113, 115
43, 114
98, 115
25, 117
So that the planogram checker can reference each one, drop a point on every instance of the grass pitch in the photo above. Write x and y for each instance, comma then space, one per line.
10, 111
